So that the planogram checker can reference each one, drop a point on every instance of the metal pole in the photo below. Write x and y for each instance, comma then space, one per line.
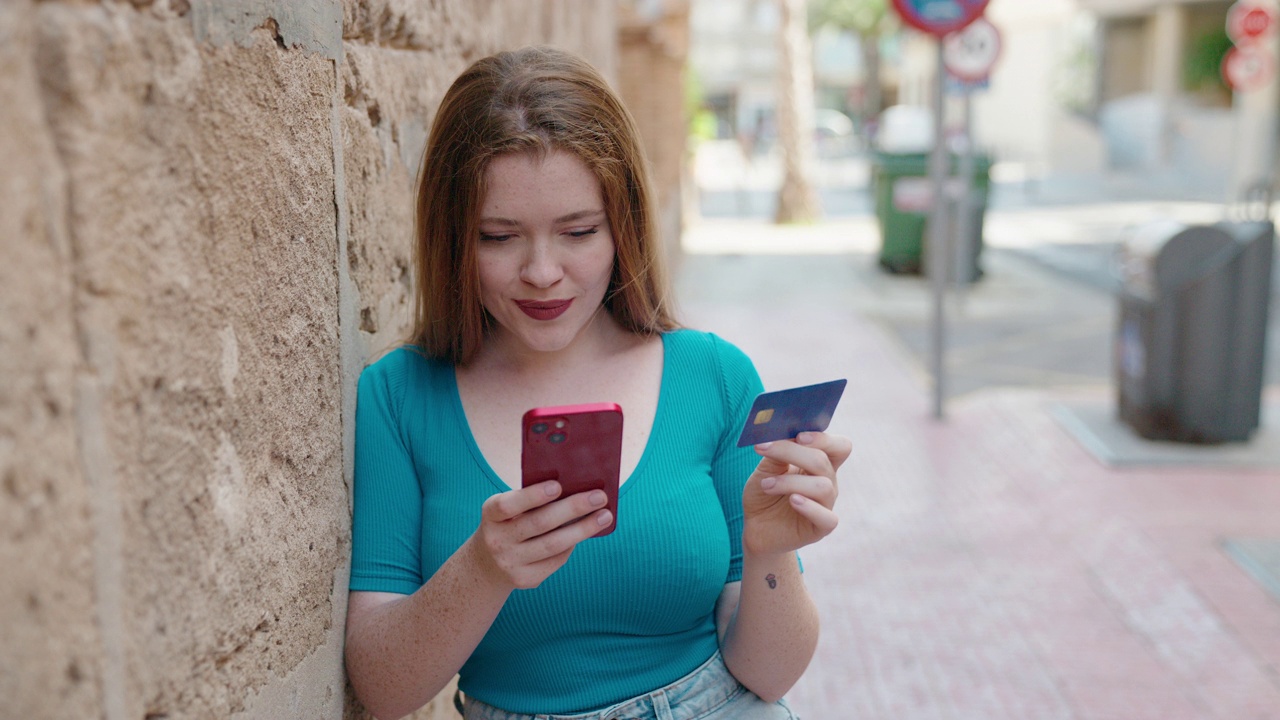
937, 257
966, 203
1230, 207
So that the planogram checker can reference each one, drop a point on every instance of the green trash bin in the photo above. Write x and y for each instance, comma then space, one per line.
903, 202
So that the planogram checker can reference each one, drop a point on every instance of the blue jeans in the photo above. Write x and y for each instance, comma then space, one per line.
708, 693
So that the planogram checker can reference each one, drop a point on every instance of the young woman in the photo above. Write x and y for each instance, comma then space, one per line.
539, 284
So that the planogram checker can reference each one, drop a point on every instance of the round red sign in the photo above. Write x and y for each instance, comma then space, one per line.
1247, 67
939, 17
1249, 20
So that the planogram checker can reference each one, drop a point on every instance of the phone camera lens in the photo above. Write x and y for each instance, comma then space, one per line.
557, 437
539, 428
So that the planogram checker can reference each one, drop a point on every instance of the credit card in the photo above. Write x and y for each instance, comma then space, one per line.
783, 414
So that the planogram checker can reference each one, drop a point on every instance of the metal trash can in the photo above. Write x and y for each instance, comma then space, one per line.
1191, 337
903, 200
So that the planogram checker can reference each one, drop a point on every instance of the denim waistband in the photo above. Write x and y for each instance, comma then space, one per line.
692, 696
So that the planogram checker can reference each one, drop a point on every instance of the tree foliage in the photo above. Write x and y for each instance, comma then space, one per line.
866, 18
870, 21
1202, 66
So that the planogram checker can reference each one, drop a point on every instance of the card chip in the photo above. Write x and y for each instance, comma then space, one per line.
784, 414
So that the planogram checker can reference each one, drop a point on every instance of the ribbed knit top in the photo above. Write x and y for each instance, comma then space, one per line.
629, 612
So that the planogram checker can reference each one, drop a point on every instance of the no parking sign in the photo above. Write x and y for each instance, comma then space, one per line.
939, 17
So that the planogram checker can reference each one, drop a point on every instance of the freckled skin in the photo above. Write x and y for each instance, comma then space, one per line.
527, 253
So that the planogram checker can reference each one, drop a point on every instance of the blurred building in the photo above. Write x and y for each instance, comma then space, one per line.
734, 62
734, 65
1118, 87
1161, 101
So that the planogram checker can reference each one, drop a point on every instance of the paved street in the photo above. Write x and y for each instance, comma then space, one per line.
988, 565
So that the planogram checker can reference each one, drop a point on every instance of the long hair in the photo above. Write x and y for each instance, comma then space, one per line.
533, 100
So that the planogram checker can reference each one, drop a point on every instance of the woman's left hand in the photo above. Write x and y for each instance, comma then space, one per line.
788, 501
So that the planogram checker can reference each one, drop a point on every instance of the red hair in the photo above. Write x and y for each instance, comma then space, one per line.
533, 100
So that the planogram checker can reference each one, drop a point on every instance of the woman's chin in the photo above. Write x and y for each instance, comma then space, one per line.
544, 341
528, 336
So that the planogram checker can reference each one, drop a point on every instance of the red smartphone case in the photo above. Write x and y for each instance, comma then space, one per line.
578, 445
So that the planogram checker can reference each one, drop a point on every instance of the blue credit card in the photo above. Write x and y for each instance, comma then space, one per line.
783, 414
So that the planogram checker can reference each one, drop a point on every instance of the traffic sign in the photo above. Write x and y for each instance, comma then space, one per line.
1250, 20
939, 17
970, 53
1248, 67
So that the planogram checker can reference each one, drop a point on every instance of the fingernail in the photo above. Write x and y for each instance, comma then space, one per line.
805, 438
551, 489
768, 483
598, 498
798, 499
604, 518
764, 446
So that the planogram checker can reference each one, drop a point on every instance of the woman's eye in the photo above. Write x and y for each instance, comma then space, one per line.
583, 233
486, 237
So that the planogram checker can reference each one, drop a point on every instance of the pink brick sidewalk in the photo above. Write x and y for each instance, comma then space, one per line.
988, 567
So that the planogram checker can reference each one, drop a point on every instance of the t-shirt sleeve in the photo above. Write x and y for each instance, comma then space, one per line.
732, 465
386, 523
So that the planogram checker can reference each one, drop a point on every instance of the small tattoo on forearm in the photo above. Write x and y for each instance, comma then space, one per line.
773, 581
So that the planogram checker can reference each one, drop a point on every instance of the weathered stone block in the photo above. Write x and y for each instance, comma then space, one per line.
50, 654
204, 233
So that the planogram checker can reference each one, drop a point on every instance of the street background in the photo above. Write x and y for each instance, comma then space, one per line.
1043, 314
989, 564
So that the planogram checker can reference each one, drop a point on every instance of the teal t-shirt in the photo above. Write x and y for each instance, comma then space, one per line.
630, 612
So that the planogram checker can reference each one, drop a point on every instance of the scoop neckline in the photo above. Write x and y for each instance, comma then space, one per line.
659, 422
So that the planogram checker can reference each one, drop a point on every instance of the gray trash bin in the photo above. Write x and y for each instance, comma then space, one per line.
1191, 338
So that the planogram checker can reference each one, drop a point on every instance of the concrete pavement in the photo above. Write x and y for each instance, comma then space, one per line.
988, 565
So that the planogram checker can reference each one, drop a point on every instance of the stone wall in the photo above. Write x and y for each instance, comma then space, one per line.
206, 227
653, 49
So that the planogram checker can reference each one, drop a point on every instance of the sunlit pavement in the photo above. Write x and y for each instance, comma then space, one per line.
1043, 314
987, 565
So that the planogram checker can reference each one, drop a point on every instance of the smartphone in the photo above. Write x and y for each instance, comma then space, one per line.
784, 414
580, 446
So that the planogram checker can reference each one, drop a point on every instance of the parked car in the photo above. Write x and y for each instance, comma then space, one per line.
834, 133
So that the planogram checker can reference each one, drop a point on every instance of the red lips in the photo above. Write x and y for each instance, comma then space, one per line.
544, 309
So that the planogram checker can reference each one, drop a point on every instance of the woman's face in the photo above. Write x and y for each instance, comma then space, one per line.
545, 250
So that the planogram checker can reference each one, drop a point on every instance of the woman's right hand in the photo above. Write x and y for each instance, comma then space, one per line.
527, 534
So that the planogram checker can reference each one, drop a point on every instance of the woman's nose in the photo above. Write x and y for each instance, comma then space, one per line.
541, 267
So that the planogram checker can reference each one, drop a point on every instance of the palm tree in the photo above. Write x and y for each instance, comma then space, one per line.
797, 198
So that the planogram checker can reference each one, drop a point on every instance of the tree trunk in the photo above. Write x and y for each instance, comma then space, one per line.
873, 90
797, 199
